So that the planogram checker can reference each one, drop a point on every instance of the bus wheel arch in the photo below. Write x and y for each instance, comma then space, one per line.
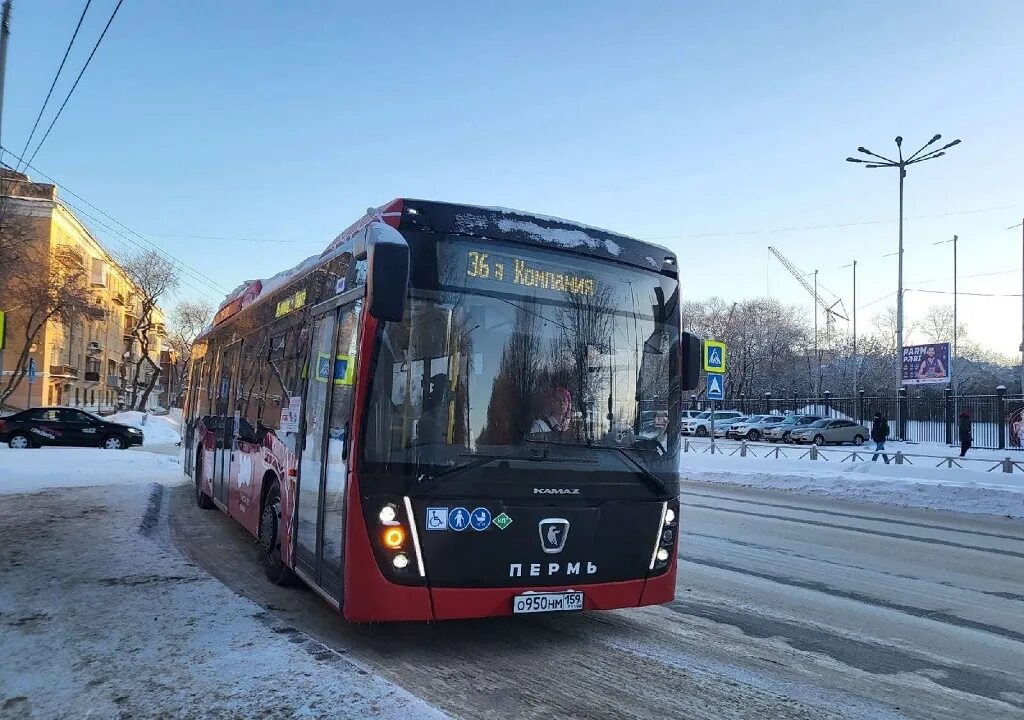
269, 533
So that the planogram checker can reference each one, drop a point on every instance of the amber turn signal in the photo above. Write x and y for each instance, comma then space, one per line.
394, 537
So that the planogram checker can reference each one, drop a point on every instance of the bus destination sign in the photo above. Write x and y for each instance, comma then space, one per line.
512, 271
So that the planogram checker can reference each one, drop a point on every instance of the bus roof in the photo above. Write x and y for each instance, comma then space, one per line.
477, 221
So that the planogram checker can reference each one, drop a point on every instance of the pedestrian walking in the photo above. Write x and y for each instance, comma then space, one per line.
879, 433
966, 436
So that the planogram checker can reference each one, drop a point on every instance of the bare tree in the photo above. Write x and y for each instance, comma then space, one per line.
187, 320
153, 275
38, 286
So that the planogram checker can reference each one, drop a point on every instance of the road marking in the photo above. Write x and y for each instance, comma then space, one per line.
865, 531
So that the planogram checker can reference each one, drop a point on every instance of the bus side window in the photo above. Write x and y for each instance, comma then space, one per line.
249, 391
276, 394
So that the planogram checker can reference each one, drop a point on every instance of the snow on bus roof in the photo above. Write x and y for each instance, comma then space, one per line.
575, 235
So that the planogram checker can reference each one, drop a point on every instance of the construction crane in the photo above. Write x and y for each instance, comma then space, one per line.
830, 309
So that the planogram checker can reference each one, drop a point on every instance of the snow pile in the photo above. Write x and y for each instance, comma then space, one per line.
968, 490
157, 429
31, 470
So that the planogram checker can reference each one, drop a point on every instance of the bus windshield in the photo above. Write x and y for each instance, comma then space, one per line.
508, 350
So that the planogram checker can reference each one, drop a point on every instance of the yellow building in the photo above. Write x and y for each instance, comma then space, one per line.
88, 361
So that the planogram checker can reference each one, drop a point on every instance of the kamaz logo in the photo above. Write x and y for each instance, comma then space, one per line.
556, 491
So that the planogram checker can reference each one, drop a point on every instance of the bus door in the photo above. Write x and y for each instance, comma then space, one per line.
191, 414
226, 422
323, 473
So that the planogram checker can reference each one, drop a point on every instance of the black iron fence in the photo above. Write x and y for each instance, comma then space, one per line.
997, 421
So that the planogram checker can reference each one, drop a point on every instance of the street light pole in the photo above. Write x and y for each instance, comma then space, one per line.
856, 364
899, 282
880, 161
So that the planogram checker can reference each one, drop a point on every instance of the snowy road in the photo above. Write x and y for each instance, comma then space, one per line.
788, 607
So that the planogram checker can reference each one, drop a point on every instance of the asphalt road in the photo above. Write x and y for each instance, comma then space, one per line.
787, 607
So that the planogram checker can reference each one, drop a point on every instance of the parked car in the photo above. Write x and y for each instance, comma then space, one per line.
783, 430
722, 430
753, 427
653, 422
825, 432
700, 426
688, 415
65, 426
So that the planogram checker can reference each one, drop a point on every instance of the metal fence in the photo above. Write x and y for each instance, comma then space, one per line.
997, 421
852, 455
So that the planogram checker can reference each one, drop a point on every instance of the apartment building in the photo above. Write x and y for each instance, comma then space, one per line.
89, 361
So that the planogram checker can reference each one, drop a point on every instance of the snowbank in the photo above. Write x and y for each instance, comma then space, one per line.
30, 470
968, 490
158, 429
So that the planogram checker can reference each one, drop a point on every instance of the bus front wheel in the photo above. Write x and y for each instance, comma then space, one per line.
270, 539
202, 499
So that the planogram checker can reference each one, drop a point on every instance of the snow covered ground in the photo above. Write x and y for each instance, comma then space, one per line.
158, 429
102, 617
49, 467
969, 489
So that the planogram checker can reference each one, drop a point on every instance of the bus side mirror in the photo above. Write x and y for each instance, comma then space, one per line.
387, 272
690, 346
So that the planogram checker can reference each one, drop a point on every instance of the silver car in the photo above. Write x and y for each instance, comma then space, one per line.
783, 430
754, 427
831, 432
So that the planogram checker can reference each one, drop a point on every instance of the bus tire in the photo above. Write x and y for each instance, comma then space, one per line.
202, 499
270, 541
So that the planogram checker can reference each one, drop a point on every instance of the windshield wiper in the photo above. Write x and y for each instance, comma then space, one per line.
478, 462
643, 472
646, 474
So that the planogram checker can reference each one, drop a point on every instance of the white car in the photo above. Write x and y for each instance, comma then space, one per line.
725, 429
700, 426
753, 428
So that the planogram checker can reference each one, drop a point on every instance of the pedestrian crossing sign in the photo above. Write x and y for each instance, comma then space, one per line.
714, 356
716, 387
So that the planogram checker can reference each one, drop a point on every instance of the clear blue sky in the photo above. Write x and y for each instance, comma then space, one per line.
284, 121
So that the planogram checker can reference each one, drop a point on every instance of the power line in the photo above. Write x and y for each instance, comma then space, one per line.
54, 83
128, 241
180, 263
221, 237
961, 292
72, 90
831, 227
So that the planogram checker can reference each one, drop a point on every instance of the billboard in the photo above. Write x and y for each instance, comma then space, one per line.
923, 364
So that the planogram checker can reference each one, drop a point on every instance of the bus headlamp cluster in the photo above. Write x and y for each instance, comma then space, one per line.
396, 534
665, 541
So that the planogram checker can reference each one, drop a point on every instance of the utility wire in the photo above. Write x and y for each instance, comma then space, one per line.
961, 292
180, 263
126, 241
72, 90
54, 83
221, 237
830, 227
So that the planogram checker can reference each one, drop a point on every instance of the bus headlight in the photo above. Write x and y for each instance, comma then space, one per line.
388, 514
665, 540
401, 561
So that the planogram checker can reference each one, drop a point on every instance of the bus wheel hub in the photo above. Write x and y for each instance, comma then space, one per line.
268, 529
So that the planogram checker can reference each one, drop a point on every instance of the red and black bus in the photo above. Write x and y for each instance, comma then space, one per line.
452, 412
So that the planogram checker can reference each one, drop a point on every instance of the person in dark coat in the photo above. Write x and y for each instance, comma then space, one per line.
966, 437
879, 433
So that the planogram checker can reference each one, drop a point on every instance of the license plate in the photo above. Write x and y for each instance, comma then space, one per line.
547, 602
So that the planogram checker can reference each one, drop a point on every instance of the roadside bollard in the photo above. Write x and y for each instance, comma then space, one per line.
1007, 465
814, 452
686, 445
899, 457
743, 449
